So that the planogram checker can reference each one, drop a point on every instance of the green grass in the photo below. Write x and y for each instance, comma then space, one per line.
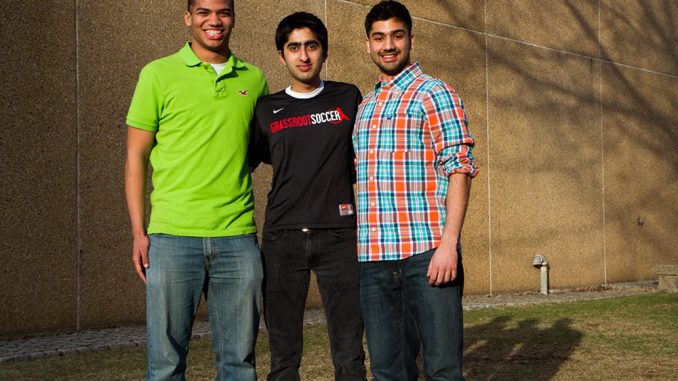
630, 338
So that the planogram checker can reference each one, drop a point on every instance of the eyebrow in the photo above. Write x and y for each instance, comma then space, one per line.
388, 32
305, 43
213, 10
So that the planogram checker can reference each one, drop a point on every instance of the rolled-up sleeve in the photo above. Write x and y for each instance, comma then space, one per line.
448, 127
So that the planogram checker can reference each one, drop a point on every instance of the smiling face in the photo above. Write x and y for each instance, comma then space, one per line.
389, 43
210, 22
304, 56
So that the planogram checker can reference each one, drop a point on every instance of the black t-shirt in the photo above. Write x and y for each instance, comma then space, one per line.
308, 143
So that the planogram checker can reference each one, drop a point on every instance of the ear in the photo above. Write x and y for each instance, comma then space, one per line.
367, 44
187, 18
411, 41
281, 57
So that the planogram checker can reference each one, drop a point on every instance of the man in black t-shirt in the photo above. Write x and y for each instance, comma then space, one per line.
304, 132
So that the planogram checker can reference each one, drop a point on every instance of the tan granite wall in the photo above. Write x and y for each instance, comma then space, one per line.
571, 103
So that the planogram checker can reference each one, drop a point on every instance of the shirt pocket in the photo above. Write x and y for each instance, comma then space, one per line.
401, 132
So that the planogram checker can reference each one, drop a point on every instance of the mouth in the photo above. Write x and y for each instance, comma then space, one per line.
304, 68
214, 34
389, 57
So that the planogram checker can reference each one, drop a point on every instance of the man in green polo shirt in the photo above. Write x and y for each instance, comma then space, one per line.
189, 116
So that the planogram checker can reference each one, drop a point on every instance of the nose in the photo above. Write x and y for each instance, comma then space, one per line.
303, 56
388, 43
214, 19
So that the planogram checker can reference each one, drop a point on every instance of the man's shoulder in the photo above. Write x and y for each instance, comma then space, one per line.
250, 67
275, 97
270, 101
163, 65
345, 86
429, 84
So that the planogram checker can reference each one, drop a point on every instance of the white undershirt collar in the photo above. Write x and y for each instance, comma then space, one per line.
298, 95
218, 67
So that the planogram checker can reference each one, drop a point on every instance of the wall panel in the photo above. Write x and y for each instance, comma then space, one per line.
641, 171
546, 167
38, 174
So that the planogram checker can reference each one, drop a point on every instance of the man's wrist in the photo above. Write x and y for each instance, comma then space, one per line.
138, 233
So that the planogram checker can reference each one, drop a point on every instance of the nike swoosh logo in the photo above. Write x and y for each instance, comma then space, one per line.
278, 110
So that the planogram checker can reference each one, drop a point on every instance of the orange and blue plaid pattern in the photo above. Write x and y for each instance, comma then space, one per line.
410, 135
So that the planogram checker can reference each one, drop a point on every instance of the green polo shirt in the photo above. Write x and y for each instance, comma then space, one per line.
201, 181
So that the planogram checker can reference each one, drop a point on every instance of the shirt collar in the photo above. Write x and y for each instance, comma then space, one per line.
190, 59
403, 79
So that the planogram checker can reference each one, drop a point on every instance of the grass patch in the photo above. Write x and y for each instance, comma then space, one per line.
630, 338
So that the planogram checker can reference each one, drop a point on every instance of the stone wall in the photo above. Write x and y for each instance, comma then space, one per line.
572, 104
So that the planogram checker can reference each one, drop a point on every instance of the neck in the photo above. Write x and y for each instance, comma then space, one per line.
388, 77
209, 56
301, 87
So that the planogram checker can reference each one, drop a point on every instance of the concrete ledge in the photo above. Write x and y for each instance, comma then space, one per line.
668, 278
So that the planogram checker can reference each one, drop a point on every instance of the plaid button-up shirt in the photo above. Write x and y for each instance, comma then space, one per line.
410, 135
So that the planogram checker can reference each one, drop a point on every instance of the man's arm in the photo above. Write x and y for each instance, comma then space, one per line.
139, 144
443, 266
453, 143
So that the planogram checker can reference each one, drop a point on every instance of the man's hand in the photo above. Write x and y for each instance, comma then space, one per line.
140, 255
443, 266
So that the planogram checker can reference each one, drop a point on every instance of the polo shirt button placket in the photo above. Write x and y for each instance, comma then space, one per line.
219, 87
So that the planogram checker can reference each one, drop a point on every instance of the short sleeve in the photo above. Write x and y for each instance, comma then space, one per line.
258, 151
146, 106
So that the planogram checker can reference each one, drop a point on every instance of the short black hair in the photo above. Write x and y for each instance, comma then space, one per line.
300, 20
385, 10
191, 3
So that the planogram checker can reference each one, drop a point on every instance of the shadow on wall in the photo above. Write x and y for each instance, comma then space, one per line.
520, 352
548, 91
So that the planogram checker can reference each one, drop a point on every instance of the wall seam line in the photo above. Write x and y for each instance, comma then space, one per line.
602, 141
584, 56
599, 59
77, 164
353, 3
487, 128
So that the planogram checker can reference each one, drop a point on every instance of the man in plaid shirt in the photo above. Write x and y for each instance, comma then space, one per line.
414, 170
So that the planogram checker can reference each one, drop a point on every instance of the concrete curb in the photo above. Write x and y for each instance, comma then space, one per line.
133, 336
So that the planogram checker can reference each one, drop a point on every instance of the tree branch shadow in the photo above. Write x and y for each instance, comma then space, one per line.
498, 350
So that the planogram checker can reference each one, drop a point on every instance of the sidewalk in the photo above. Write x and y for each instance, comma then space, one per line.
132, 336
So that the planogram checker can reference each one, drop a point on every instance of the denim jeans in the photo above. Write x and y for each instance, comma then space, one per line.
228, 271
402, 313
289, 256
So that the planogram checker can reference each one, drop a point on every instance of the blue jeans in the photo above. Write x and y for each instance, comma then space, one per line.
289, 257
228, 271
402, 312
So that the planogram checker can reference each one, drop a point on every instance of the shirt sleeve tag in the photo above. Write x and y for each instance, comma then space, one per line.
345, 209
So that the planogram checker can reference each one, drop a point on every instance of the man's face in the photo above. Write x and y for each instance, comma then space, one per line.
304, 57
211, 22
389, 44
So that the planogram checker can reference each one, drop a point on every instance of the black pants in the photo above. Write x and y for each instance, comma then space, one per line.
289, 256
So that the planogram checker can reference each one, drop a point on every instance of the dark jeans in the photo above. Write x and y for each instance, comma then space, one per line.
289, 256
403, 312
